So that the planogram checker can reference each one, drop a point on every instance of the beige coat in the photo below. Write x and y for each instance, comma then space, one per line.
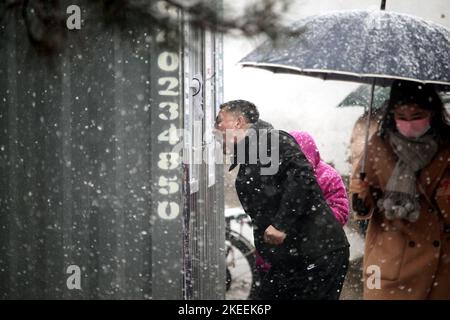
413, 258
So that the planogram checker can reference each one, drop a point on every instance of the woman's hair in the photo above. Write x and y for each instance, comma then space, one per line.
425, 97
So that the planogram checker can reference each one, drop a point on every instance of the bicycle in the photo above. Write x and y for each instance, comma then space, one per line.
240, 257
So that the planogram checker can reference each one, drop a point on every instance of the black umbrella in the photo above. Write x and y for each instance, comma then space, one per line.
360, 97
363, 46
374, 47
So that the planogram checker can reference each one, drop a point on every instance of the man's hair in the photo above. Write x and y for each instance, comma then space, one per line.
246, 108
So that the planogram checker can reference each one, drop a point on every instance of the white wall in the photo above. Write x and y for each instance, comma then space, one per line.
303, 103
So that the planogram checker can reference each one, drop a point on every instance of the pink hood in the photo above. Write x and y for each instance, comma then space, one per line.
328, 178
308, 146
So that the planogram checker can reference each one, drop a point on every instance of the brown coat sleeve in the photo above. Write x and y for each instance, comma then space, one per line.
442, 196
368, 189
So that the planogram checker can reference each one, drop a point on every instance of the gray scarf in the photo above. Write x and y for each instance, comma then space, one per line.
400, 198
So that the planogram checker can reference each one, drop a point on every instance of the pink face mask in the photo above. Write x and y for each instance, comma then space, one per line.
413, 128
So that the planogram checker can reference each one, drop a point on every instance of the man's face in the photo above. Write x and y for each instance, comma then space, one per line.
229, 126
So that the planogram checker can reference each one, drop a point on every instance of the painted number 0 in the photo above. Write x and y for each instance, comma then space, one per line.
168, 210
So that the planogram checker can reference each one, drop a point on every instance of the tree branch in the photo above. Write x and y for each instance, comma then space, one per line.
44, 19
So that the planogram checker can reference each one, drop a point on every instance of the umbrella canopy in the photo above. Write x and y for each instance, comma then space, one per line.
360, 97
362, 46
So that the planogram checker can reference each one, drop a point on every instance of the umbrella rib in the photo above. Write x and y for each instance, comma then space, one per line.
272, 66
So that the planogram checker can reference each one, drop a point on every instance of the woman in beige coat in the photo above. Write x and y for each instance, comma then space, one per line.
406, 196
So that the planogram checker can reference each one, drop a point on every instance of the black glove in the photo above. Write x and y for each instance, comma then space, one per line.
358, 206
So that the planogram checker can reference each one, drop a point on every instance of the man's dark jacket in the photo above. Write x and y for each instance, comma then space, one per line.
290, 200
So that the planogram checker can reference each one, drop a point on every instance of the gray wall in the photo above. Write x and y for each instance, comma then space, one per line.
86, 175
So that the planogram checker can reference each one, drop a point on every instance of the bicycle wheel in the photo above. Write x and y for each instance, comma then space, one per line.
240, 266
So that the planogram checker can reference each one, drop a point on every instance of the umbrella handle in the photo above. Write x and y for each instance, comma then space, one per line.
358, 203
